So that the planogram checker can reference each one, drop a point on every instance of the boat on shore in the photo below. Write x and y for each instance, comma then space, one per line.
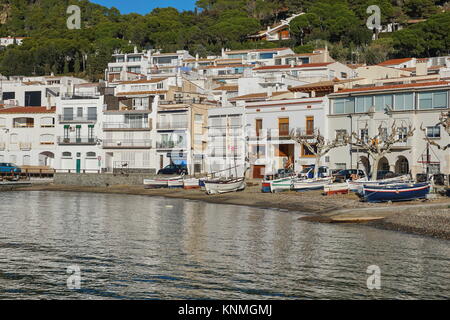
396, 192
175, 184
310, 184
357, 185
191, 183
336, 188
225, 186
161, 183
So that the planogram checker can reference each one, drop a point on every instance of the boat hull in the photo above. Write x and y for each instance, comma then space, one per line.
332, 189
191, 184
280, 185
398, 192
219, 187
310, 185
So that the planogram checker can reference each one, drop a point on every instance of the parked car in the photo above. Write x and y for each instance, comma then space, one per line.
346, 174
308, 173
174, 169
9, 168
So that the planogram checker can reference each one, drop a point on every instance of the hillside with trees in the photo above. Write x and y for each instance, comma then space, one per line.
214, 24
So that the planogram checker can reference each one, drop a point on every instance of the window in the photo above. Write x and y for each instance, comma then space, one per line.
402, 132
47, 122
344, 105
404, 101
134, 59
160, 85
258, 127
381, 101
267, 55
309, 126
343, 75
363, 104
198, 118
283, 127
364, 134
91, 155
383, 134
434, 132
68, 114
47, 139
340, 134
134, 69
430, 100
67, 155
92, 113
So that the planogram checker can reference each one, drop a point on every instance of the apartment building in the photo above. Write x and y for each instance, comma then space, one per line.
365, 110
28, 136
78, 129
256, 56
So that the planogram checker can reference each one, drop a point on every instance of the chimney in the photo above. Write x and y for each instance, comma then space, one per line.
421, 67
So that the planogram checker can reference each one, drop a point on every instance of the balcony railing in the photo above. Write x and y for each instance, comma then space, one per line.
77, 140
170, 145
125, 126
72, 118
25, 146
172, 125
80, 95
181, 101
127, 143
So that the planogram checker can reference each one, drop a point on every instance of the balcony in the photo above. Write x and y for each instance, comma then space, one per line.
25, 146
170, 145
172, 125
127, 144
182, 101
77, 140
80, 95
121, 126
64, 118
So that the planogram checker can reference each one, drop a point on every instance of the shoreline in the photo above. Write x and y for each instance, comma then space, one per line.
413, 217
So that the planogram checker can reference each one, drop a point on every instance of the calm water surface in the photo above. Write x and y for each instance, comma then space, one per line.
136, 247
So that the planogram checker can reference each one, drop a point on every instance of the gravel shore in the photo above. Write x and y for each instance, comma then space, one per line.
431, 218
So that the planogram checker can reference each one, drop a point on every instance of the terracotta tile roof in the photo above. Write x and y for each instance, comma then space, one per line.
142, 81
394, 62
258, 96
227, 88
255, 50
397, 86
287, 66
27, 110
320, 84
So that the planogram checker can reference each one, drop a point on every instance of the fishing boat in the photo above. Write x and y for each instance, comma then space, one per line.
310, 184
282, 184
191, 184
336, 188
396, 192
175, 183
159, 183
357, 185
224, 186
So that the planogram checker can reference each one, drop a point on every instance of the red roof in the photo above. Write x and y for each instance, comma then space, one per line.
28, 110
394, 62
287, 66
397, 86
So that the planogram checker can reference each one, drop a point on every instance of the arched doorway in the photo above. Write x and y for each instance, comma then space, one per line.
383, 164
46, 159
364, 161
402, 165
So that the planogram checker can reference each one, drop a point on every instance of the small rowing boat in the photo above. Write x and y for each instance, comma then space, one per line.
160, 183
310, 184
396, 192
191, 184
336, 188
224, 186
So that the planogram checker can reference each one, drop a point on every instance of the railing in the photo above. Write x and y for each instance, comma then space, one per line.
181, 101
131, 143
121, 125
80, 95
25, 146
72, 118
172, 125
170, 145
77, 140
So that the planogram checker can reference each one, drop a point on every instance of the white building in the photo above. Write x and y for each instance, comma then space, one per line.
8, 41
78, 130
28, 136
364, 110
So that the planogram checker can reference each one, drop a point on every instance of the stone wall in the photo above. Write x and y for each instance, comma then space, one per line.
100, 180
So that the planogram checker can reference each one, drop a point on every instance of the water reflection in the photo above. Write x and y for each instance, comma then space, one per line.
155, 248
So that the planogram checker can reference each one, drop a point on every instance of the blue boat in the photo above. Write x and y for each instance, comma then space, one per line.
396, 192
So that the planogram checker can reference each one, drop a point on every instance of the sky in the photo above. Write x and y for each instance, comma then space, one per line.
145, 6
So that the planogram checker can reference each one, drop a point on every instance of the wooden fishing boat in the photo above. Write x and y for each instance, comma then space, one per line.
159, 183
191, 184
280, 185
175, 184
357, 185
396, 192
336, 188
310, 184
224, 186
